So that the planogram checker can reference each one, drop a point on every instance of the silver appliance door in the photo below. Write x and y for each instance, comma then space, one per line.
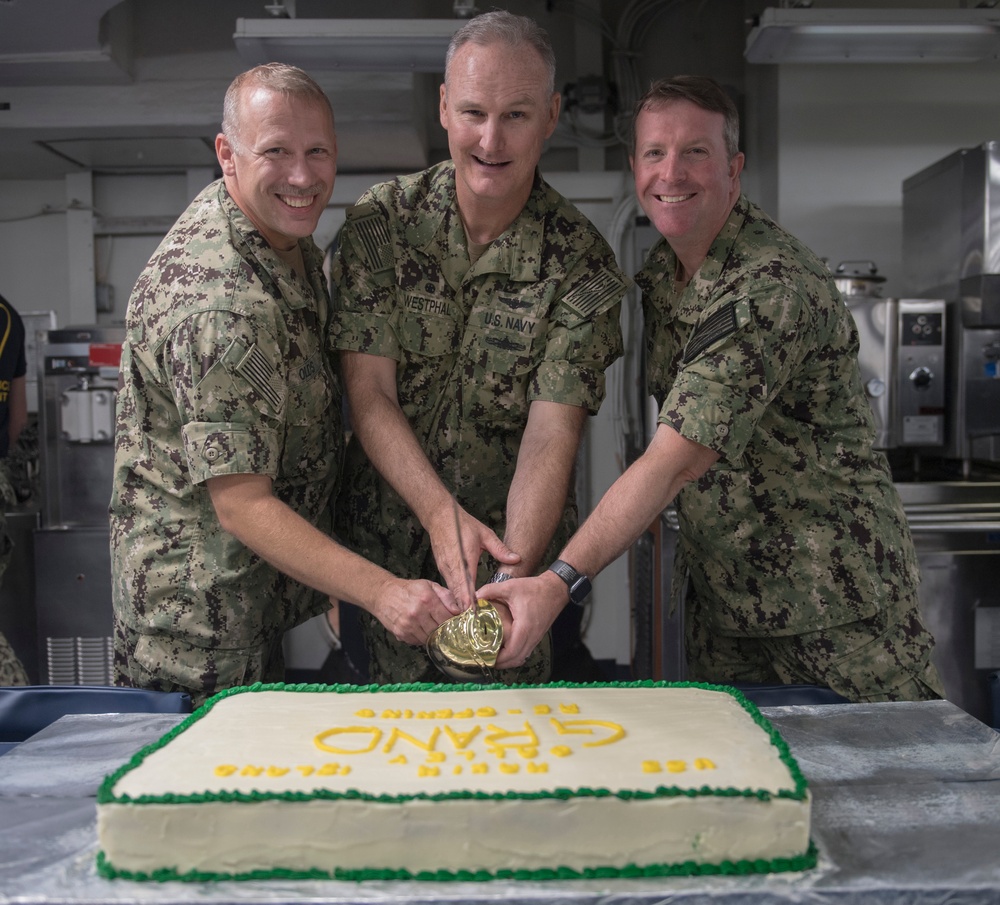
956, 531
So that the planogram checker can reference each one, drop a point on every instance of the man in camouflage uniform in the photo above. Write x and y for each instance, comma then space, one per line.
793, 545
229, 436
476, 312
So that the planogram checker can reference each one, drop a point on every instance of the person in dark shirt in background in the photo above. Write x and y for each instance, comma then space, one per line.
13, 418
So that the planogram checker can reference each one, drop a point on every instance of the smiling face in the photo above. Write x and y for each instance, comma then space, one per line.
498, 109
684, 179
281, 167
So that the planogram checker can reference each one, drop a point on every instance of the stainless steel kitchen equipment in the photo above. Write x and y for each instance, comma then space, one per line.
902, 358
956, 531
951, 250
78, 377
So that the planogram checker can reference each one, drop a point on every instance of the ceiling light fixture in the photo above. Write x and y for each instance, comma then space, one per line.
358, 45
874, 36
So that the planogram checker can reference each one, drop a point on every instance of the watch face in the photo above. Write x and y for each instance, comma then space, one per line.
579, 585
579, 589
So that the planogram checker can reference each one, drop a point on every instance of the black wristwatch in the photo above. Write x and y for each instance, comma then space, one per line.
579, 585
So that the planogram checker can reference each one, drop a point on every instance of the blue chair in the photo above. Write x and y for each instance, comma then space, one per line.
27, 709
789, 695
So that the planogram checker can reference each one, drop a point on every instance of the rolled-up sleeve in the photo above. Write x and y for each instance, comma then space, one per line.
230, 388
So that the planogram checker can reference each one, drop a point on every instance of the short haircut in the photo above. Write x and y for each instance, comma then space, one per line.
501, 26
278, 77
700, 90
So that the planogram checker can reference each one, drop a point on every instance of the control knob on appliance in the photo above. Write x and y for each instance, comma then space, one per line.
922, 377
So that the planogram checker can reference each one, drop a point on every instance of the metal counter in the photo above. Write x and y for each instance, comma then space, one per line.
906, 808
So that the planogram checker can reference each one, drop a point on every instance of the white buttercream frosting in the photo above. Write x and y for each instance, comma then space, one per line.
406, 761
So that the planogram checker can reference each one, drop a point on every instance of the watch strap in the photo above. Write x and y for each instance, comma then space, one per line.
578, 584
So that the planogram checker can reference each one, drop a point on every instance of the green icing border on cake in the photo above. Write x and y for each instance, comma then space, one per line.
687, 868
628, 872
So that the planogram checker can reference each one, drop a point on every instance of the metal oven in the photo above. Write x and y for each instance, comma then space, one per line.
902, 355
951, 250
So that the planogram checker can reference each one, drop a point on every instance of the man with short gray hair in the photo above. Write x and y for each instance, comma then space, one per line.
476, 313
228, 441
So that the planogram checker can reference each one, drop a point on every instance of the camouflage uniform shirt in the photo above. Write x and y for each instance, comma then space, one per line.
798, 526
224, 371
537, 317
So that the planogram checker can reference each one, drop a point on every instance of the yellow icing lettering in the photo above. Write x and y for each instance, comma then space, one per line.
461, 740
542, 709
328, 770
466, 714
456, 769
703, 763
398, 734
480, 769
515, 712
365, 714
651, 766
391, 714
399, 759
277, 771
374, 734
560, 751
676, 766
528, 753
444, 714
538, 768
306, 771
435, 757
587, 727
428, 771
485, 712
251, 771
509, 768
499, 740
225, 770
569, 708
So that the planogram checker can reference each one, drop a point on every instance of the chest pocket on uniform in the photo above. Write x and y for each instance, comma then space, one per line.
426, 326
429, 340
506, 343
312, 421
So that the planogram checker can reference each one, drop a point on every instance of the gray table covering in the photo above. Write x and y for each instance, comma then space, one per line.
906, 808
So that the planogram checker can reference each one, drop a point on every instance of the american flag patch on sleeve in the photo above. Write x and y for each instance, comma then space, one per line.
717, 325
589, 296
374, 242
259, 373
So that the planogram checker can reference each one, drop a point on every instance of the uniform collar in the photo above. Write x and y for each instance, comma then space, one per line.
655, 278
253, 247
517, 252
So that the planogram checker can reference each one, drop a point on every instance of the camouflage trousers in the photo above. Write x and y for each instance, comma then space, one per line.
884, 658
162, 663
12, 671
390, 661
